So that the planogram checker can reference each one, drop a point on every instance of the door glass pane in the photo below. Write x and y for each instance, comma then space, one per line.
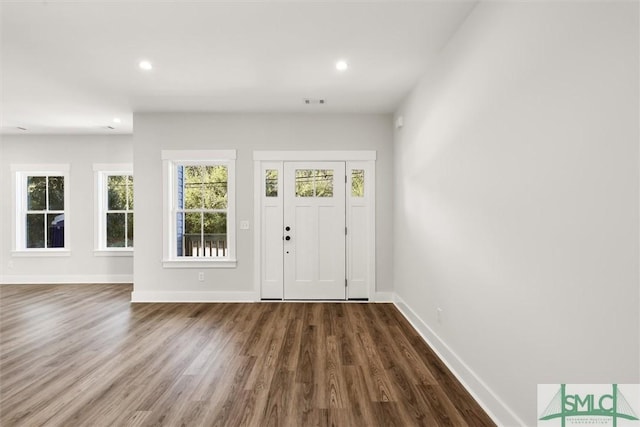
36, 194
55, 230
115, 230
116, 193
192, 236
215, 187
324, 183
193, 187
215, 234
130, 230
304, 183
35, 230
271, 182
56, 193
357, 183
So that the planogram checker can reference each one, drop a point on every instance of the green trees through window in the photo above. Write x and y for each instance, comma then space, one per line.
314, 183
271, 183
45, 212
202, 210
357, 183
119, 213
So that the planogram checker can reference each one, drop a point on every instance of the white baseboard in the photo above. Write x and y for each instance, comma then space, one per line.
383, 297
168, 296
501, 414
55, 279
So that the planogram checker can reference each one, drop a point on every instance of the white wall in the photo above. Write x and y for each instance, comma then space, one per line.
246, 133
80, 152
516, 200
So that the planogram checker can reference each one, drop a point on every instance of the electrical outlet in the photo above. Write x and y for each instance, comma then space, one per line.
439, 315
244, 225
201, 276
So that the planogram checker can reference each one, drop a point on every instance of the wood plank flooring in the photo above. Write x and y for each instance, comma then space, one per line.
82, 355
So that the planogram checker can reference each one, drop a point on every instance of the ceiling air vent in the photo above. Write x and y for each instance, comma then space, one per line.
310, 101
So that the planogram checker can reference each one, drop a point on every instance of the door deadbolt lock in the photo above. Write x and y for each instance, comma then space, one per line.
287, 228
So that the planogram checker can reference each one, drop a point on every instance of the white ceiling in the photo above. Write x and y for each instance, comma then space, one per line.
71, 67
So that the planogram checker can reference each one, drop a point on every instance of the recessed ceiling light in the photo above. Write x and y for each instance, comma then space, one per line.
145, 65
116, 120
342, 65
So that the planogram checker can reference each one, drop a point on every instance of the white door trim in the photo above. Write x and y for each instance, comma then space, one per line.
314, 156
354, 160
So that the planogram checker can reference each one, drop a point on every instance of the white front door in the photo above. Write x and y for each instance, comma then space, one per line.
314, 230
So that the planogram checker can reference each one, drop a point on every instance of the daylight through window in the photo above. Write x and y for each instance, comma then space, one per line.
201, 212
45, 212
119, 212
41, 208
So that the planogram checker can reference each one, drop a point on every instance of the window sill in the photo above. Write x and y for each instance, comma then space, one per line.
199, 263
41, 253
113, 252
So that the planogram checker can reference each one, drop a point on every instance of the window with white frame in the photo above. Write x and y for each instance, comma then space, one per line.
114, 209
41, 208
199, 208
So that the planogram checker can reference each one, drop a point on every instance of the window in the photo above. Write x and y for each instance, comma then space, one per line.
199, 208
41, 209
202, 210
314, 183
114, 209
357, 183
271, 183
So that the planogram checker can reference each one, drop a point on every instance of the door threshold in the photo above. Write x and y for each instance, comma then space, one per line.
351, 300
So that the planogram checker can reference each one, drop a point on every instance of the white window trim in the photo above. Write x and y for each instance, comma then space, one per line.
19, 173
100, 173
170, 158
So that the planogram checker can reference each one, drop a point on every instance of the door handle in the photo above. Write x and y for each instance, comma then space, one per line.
287, 238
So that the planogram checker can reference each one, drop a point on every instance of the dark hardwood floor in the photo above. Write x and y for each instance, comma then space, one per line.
82, 355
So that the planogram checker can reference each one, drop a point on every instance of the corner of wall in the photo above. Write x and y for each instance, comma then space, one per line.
486, 398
